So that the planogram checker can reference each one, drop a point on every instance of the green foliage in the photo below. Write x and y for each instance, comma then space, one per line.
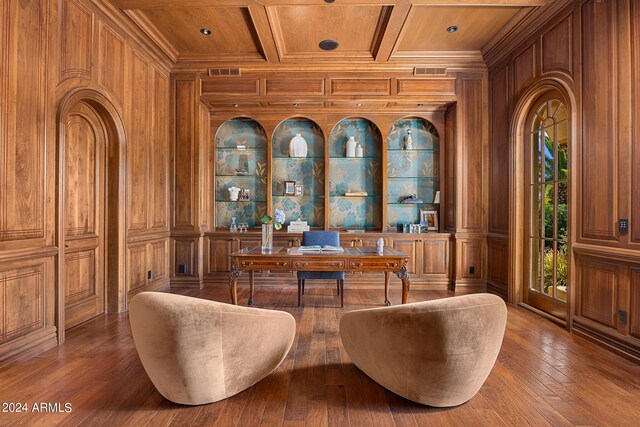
561, 269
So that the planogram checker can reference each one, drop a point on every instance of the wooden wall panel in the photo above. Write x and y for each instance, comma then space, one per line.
500, 120
635, 143
139, 149
185, 254
557, 46
410, 248
294, 87
498, 263
470, 142
111, 62
426, 86
159, 195
219, 250
450, 181
360, 87
598, 290
524, 69
470, 259
22, 299
599, 143
184, 151
23, 92
76, 41
231, 86
80, 276
137, 265
159, 260
435, 257
634, 304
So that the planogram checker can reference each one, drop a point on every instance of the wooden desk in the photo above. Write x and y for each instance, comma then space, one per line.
291, 259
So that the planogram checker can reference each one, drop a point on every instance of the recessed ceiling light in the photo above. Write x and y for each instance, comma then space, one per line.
452, 29
329, 1
296, 105
359, 104
236, 105
205, 31
328, 45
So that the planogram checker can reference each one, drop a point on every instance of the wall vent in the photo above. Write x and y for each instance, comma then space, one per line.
429, 71
224, 72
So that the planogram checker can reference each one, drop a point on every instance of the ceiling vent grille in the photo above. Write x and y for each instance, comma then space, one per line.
224, 72
429, 71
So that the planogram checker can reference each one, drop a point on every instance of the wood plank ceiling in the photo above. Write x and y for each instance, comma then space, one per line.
288, 32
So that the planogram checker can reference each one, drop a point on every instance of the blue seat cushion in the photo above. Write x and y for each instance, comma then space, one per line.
310, 238
336, 275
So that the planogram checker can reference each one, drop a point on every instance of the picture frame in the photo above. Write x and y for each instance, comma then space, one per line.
289, 188
245, 195
298, 190
414, 228
429, 219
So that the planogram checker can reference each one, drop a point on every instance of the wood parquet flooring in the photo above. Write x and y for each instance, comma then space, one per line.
544, 376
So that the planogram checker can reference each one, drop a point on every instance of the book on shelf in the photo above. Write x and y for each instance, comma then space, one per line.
320, 248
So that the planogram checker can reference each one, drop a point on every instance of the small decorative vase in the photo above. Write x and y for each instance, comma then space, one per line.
409, 141
351, 147
380, 246
267, 238
298, 146
359, 151
233, 193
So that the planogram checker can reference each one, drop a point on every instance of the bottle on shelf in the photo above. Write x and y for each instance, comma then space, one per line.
408, 143
351, 147
359, 150
233, 227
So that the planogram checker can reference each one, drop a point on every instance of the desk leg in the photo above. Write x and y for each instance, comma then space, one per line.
387, 278
250, 287
404, 276
233, 279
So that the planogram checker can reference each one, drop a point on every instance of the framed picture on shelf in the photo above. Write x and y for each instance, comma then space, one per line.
414, 228
289, 188
429, 219
245, 195
299, 190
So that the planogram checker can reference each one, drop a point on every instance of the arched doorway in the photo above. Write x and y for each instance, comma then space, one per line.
91, 200
546, 177
543, 130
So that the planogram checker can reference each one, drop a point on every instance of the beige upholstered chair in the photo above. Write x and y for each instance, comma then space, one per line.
197, 351
437, 353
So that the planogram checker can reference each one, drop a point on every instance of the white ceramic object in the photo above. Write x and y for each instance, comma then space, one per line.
409, 141
233, 193
359, 151
351, 147
298, 146
380, 246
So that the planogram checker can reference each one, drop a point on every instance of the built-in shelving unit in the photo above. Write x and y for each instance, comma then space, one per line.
241, 144
411, 171
307, 171
355, 174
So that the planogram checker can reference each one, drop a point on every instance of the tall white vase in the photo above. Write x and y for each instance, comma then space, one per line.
298, 146
351, 147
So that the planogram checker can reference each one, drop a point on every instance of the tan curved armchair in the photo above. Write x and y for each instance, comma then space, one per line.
437, 353
197, 351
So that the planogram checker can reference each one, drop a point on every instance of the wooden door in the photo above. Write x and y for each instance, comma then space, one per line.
84, 223
547, 206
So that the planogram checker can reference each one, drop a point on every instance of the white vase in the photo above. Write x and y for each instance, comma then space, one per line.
298, 146
409, 141
359, 151
351, 147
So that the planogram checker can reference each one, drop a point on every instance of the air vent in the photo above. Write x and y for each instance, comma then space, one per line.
224, 72
429, 71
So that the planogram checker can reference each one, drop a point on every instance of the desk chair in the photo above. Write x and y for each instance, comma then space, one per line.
310, 238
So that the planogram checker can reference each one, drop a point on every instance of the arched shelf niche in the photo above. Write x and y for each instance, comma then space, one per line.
307, 173
411, 170
241, 161
355, 174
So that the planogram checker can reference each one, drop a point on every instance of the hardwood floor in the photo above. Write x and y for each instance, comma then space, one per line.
543, 376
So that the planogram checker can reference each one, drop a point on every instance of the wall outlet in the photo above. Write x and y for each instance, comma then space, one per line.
149, 274
182, 268
622, 317
472, 269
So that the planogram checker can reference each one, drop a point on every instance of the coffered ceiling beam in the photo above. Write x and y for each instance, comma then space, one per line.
261, 24
396, 22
